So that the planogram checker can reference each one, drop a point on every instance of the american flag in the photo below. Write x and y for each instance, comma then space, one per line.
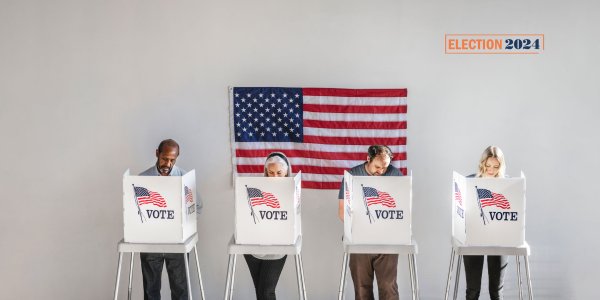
489, 198
146, 196
323, 131
457, 194
373, 196
258, 197
188, 194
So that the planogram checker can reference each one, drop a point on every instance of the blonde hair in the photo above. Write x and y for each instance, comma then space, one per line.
278, 158
495, 152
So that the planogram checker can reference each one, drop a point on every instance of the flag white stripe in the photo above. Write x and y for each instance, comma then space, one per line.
355, 101
384, 133
314, 147
305, 177
259, 161
354, 117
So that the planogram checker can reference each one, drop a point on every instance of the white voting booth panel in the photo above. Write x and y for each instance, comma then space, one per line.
377, 210
159, 209
267, 210
488, 211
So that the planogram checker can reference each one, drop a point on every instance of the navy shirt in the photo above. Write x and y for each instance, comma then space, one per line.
361, 171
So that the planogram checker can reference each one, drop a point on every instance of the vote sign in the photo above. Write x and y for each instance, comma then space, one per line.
377, 210
267, 210
488, 211
159, 209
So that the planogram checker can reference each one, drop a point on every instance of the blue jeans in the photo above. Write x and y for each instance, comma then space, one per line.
152, 266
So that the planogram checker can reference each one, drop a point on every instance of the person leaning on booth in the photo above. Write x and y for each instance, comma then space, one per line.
265, 269
362, 266
491, 165
152, 263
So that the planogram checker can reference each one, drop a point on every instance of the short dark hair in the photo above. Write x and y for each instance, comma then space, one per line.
168, 143
377, 150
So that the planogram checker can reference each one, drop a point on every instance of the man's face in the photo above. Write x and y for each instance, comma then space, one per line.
378, 165
166, 159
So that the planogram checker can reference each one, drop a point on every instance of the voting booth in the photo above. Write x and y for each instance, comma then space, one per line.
377, 210
159, 209
488, 211
267, 210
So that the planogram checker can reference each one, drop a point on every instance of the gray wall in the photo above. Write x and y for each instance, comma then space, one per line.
88, 88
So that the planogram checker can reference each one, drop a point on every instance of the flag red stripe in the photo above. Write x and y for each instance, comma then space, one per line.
303, 168
312, 154
332, 92
355, 109
340, 140
354, 125
327, 185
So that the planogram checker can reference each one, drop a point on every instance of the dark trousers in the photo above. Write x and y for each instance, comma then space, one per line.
496, 270
152, 266
384, 266
265, 274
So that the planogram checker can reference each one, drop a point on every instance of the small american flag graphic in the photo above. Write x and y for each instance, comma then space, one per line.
189, 197
457, 194
373, 196
258, 197
146, 196
489, 198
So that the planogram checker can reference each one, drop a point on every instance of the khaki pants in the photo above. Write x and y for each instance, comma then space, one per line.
384, 266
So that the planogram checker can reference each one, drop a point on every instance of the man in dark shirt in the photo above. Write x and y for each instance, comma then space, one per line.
152, 263
364, 266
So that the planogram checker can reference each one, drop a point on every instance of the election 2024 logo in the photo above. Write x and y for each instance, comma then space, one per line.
372, 196
264, 200
487, 198
150, 200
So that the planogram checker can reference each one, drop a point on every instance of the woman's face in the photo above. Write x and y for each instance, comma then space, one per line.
276, 170
492, 167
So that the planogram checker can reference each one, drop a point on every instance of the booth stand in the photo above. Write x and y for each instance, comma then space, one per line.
235, 249
159, 216
458, 250
132, 248
377, 220
267, 221
488, 218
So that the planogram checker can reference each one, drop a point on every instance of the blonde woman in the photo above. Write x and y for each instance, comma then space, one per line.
491, 165
265, 269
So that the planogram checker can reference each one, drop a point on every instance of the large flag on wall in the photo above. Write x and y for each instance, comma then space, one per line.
323, 131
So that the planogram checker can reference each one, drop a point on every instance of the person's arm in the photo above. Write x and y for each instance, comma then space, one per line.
341, 209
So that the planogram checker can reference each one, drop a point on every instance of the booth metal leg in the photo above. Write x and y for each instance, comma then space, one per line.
452, 254
528, 274
299, 277
519, 277
232, 276
228, 278
414, 259
343, 277
457, 279
130, 276
412, 277
187, 275
199, 274
118, 275
302, 276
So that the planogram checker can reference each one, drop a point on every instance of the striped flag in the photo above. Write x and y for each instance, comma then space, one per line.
189, 197
373, 196
258, 197
323, 131
489, 198
457, 194
146, 196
